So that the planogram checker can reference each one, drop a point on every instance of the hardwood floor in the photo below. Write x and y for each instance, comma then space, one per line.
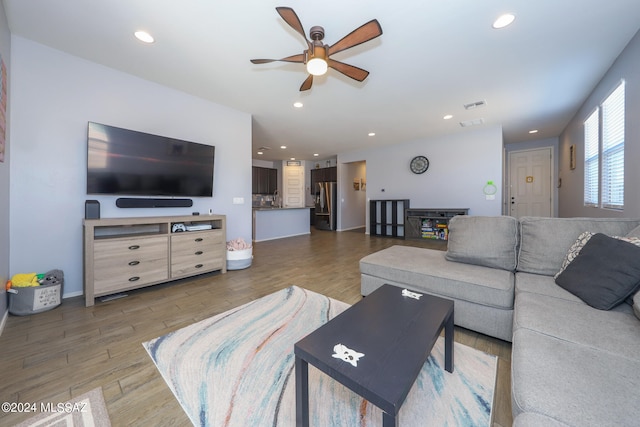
65, 352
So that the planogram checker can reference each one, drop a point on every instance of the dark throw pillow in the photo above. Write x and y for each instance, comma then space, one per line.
605, 272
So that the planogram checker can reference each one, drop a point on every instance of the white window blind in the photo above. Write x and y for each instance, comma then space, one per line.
613, 149
604, 153
591, 158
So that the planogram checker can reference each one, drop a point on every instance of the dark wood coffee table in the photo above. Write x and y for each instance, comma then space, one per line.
396, 334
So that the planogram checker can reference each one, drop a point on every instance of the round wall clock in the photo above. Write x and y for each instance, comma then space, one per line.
419, 164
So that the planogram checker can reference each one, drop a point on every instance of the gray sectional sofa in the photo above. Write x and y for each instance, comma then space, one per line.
572, 364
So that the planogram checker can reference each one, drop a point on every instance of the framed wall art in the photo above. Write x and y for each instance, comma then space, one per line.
572, 156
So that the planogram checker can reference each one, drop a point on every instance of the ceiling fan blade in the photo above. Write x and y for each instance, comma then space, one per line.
348, 70
292, 58
362, 34
292, 19
306, 85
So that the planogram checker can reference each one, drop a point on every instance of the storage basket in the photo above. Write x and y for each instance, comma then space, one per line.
237, 260
24, 301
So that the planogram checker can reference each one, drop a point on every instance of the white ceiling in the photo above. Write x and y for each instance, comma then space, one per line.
434, 57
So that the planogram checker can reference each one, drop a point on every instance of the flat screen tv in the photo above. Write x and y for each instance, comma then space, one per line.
127, 162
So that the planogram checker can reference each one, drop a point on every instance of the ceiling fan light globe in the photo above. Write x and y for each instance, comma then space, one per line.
317, 66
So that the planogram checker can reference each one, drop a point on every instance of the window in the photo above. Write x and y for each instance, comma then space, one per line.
591, 158
604, 153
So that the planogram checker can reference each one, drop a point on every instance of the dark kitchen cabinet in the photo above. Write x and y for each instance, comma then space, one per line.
264, 180
323, 175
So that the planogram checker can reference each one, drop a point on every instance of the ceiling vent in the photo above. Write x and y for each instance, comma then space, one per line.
264, 148
475, 105
474, 122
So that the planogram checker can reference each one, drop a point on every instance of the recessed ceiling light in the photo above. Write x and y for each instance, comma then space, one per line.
448, 117
474, 122
143, 36
315, 154
293, 158
504, 21
260, 152
283, 147
533, 131
298, 104
372, 134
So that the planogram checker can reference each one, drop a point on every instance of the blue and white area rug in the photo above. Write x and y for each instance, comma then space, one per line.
237, 369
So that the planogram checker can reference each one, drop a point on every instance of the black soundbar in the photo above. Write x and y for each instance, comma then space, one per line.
130, 202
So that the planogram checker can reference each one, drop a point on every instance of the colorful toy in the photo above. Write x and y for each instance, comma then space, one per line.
24, 280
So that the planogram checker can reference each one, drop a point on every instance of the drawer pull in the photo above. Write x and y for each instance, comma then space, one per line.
199, 253
199, 239
134, 247
132, 263
134, 278
199, 265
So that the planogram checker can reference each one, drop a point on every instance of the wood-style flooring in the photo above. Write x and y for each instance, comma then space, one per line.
65, 352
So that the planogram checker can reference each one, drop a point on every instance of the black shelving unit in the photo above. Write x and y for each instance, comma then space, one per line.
386, 217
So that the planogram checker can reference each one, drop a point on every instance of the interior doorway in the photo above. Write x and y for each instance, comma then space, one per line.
353, 196
530, 191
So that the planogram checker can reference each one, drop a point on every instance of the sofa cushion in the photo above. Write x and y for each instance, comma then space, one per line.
574, 250
582, 240
605, 272
572, 383
482, 240
544, 241
576, 322
531, 419
427, 269
542, 285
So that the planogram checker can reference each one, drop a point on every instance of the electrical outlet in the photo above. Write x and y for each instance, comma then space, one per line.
238, 200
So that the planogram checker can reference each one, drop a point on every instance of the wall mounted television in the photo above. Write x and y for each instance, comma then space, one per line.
126, 162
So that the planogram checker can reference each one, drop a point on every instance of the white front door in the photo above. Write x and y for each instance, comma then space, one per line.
530, 181
293, 183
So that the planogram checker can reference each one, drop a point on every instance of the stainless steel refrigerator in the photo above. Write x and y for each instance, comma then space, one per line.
326, 206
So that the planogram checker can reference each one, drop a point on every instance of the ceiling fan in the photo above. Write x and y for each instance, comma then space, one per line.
317, 57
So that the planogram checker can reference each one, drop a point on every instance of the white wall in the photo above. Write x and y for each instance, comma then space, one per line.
460, 166
571, 194
353, 204
5, 54
54, 95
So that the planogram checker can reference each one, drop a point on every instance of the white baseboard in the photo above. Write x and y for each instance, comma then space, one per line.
352, 228
72, 294
4, 320
281, 237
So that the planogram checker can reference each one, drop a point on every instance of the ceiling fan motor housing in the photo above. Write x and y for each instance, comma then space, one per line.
316, 33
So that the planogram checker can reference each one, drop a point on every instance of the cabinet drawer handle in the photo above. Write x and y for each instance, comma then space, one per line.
199, 265
134, 278
199, 253
134, 247
199, 239
132, 263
